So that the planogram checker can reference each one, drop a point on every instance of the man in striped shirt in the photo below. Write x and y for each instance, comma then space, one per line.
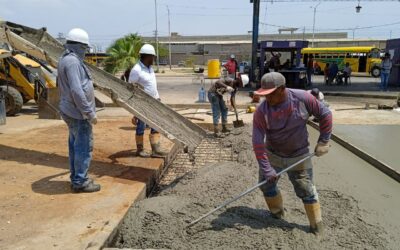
280, 138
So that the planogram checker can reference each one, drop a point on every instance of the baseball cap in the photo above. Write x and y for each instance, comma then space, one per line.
270, 82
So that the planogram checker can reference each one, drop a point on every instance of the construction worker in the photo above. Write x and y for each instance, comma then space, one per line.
231, 66
218, 107
143, 74
280, 139
77, 108
274, 65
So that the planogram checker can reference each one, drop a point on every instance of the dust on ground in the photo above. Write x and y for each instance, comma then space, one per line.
160, 222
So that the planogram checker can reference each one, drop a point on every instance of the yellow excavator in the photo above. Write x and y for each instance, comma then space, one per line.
23, 78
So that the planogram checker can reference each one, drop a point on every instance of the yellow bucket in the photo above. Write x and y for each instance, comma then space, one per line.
214, 68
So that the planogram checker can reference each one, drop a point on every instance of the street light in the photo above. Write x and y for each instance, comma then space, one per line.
358, 7
313, 27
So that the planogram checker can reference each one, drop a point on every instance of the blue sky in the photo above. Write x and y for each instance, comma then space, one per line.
107, 20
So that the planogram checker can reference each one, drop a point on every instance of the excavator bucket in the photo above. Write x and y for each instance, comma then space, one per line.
38, 43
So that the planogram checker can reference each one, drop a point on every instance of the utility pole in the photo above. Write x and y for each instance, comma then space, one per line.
156, 33
254, 47
169, 42
354, 32
313, 27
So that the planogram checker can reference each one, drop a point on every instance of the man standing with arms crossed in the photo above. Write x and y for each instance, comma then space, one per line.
280, 138
143, 74
78, 110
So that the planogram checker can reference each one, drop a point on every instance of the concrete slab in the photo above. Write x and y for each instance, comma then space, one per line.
38, 210
380, 141
375, 192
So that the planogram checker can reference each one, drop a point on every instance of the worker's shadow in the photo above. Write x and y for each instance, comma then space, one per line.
235, 217
53, 185
50, 185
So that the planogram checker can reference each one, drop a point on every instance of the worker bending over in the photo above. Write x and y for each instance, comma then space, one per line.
77, 108
143, 74
280, 138
218, 107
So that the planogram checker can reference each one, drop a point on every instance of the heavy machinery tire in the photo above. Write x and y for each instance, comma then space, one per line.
376, 71
13, 100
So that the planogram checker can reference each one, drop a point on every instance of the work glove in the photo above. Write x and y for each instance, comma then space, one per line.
229, 89
270, 175
93, 120
321, 148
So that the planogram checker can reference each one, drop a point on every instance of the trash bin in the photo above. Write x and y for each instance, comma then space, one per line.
2, 107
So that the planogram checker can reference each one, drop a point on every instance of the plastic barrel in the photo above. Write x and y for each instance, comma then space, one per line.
214, 68
2, 107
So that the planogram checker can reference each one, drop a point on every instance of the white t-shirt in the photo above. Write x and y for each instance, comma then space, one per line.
146, 77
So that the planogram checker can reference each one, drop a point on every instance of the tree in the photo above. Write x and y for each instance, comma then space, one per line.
123, 53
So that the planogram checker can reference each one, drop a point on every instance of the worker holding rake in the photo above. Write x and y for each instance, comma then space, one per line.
280, 138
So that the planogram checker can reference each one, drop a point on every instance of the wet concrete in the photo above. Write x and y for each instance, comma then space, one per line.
380, 141
356, 213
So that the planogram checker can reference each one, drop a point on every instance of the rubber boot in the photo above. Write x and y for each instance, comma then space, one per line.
313, 212
225, 129
275, 205
155, 146
216, 131
139, 147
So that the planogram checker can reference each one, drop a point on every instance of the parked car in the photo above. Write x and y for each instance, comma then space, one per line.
181, 64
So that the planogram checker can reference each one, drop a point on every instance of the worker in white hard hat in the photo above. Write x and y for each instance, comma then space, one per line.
77, 108
143, 74
232, 67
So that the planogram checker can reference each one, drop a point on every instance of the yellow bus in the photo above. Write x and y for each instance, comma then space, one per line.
361, 59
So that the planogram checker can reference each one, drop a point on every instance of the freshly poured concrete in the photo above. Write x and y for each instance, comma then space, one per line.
380, 141
359, 205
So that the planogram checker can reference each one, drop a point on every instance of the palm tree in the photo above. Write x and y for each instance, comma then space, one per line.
123, 53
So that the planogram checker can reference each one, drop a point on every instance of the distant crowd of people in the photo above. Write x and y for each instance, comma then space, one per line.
333, 74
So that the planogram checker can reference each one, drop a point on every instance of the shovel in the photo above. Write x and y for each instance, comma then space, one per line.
226, 203
238, 123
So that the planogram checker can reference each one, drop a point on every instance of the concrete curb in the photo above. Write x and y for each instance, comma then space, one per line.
104, 244
355, 94
385, 168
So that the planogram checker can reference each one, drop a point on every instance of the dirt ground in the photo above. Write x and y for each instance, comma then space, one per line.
160, 222
38, 210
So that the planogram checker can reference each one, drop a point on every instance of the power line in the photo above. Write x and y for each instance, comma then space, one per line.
337, 29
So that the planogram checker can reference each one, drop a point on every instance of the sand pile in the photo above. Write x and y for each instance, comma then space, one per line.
160, 222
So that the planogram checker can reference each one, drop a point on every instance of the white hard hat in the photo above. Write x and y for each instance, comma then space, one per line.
147, 49
233, 56
78, 35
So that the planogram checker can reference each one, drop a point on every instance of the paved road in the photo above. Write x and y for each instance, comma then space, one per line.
185, 90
